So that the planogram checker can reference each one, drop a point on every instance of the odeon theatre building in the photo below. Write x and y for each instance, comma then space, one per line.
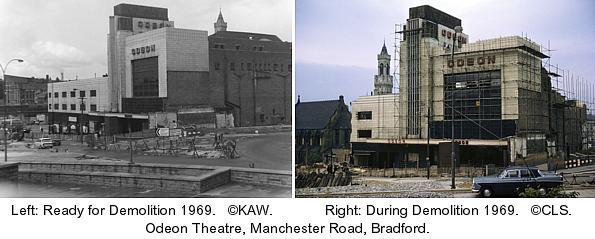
243, 77
492, 96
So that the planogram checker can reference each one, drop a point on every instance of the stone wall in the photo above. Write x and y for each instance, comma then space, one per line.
148, 176
145, 169
9, 171
178, 178
262, 176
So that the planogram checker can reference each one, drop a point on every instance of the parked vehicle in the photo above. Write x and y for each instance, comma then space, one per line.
43, 143
57, 142
513, 180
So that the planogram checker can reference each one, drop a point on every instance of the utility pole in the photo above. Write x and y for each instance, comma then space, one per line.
130, 139
82, 113
458, 29
428, 143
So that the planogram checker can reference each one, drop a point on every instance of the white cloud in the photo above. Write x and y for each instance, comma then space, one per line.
57, 55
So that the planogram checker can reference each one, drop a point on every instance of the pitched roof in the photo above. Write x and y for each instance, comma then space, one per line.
246, 36
383, 51
220, 18
315, 114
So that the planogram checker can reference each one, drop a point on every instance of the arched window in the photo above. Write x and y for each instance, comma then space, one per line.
380, 69
387, 69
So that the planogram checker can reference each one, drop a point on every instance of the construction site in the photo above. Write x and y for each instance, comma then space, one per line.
481, 105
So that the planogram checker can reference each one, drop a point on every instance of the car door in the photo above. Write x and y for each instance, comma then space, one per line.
509, 182
527, 179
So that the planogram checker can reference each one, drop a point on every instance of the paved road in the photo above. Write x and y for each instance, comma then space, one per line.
271, 151
266, 151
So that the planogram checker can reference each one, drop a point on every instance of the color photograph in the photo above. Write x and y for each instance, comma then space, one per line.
444, 99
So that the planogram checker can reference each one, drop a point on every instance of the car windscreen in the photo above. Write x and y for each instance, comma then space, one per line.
536, 172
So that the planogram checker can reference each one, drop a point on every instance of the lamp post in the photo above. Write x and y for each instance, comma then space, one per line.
458, 29
6, 105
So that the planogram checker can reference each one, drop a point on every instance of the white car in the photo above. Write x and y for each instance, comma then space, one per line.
43, 143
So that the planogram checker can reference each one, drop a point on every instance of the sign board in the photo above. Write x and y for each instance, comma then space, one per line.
162, 132
40, 117
71, 119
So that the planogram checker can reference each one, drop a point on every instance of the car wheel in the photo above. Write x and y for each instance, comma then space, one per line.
542, 191
487, 192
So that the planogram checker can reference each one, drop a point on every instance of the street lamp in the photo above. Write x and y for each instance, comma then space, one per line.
6, 105
458, 29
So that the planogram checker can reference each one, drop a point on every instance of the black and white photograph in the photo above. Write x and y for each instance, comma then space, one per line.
146, 98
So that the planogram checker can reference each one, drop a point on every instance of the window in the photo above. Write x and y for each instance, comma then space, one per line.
364, 115
289, 67
73, 93
64, 107
275, 67
64, 94
83, 107
232, 66
82, 93
93, 93
93, 107
512, 174
56, 106
154, 25
72, 106
49, 95
525, 173
238, 47
249, 66
242, 66
145, 80
260, 48
56, 94
50, 106
364, 133
216, 65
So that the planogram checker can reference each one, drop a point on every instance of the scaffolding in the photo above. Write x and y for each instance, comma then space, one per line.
528, 94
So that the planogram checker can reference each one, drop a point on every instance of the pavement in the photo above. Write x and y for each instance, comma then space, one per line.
415, 187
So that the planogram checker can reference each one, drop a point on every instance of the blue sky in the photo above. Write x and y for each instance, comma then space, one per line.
70, 36
336, 41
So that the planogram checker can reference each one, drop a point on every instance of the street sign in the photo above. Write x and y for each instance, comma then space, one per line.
175, 132
162, 132
71, 119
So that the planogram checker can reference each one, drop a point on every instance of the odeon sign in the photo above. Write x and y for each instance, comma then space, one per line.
143, 50
471, 61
